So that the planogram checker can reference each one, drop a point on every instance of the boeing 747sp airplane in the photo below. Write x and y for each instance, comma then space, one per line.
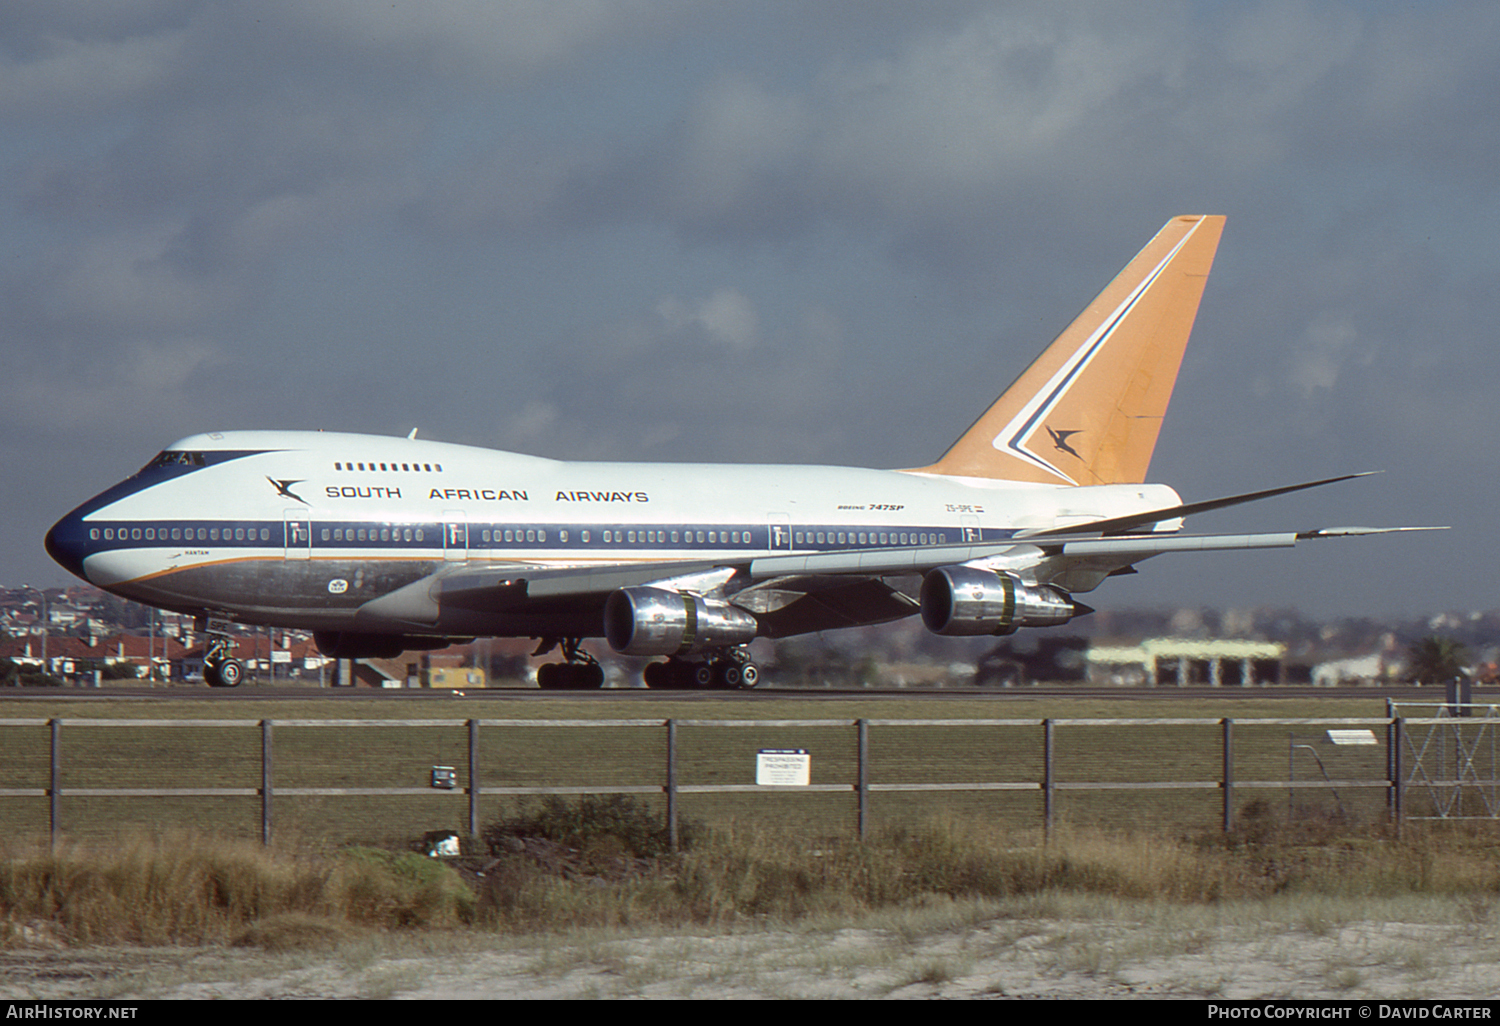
381, 545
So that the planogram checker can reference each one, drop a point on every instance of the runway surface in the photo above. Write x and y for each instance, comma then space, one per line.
253, 693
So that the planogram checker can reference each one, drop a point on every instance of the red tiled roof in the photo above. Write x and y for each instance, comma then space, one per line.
119, 646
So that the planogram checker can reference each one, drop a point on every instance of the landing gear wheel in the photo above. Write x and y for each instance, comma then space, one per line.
570, 676
672, 675
727, 674
734, 671
578, 672
220, 670
231, 673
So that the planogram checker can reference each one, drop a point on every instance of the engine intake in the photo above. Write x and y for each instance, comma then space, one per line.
961, 601
654, 621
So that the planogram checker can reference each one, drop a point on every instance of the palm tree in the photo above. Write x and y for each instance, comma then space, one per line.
1435, 659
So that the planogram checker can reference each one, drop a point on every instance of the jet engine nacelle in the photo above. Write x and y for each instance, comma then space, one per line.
655, 621
960, 601
352, 645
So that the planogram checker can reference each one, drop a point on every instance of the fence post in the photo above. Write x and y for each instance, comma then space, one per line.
1228, 726
265, 782
1047, 781
473, 778
54, 780
1390, 755
672, 785
1398, 786
862, 786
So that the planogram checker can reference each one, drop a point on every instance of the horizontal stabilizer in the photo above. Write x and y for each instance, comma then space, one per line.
1128, 523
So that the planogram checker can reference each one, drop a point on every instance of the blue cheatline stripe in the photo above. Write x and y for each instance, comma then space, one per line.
107, 535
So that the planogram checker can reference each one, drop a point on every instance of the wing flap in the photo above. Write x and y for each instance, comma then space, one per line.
844, 602
823, 590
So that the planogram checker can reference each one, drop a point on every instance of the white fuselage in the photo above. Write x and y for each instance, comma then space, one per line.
301, 528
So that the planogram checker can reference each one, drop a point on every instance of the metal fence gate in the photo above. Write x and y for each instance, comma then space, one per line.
1449, 758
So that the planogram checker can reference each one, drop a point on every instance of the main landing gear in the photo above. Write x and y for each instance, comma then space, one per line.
220, 669
581, 671
727, 671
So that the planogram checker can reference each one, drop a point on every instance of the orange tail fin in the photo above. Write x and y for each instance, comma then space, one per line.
1089, 409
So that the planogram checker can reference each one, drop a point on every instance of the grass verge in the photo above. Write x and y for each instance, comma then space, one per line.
188, 889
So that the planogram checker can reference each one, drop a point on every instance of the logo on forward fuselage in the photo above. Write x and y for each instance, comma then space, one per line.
285, 488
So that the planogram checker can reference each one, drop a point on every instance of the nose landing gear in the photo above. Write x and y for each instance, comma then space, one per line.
220, 669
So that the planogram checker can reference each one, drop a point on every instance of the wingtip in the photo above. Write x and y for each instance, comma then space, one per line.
1351, 532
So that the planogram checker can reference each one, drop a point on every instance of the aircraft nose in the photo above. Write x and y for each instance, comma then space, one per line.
65, 544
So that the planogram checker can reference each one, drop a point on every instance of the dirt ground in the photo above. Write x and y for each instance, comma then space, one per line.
1294, 951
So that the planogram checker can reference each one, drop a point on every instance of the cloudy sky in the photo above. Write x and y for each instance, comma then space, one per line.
768, 231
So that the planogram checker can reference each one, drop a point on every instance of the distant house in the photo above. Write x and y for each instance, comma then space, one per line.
1357, 670
69, 657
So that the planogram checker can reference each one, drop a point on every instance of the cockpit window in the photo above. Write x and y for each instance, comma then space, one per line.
176, 458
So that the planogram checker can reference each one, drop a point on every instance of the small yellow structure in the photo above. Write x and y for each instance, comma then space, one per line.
457, 677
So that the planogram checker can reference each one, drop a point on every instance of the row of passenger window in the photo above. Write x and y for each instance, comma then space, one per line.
650, 537
487, 536
534, 535
203, 534
430, 468
869, 538
374, 534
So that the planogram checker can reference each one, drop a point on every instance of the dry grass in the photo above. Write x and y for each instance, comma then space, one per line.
749, 876
188, 889
195, 889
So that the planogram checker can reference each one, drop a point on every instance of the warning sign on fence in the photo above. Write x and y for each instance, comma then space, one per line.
783, 766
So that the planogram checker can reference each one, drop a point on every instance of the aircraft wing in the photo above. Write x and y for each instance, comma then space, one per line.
792, 593
543, 584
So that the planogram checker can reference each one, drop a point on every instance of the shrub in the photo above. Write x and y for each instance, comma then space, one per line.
599, 822
405, 889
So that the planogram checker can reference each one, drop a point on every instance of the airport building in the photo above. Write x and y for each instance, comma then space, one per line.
1184, 662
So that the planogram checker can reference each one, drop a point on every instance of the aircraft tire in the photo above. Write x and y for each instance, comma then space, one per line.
749, 676
546, 677
702, 675
231, 673
211, 675
672, 675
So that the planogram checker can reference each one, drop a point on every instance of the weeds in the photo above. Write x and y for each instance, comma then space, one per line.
192, 889
612, 824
